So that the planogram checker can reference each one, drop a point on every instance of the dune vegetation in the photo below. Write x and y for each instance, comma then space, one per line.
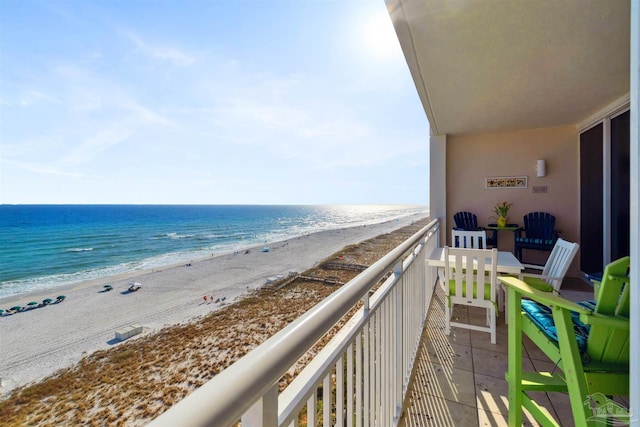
140, 378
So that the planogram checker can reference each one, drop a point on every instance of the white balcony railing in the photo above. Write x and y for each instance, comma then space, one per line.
359, 378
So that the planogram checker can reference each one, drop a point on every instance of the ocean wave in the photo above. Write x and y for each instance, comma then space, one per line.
149, 246
14, 287
50, 282
174, 236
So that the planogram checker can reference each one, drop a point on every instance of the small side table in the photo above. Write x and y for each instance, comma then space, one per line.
495, 229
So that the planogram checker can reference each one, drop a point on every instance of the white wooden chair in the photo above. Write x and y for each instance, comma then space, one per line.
476, 239
462, 269
554, 269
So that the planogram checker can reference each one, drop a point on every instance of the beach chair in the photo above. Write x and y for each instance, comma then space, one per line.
589, 342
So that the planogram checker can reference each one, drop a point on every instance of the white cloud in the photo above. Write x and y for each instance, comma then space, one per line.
31, 97
42, 169
110, 133
163, 53
256, 121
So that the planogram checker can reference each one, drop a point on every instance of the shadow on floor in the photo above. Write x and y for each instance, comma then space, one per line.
458, 380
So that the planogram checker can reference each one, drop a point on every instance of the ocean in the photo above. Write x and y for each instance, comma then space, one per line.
45, 246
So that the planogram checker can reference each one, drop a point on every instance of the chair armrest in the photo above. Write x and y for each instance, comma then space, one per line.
540, 276
533, 266
547, 298
605, 320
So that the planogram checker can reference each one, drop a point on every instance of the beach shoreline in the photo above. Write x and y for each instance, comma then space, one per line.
38, 342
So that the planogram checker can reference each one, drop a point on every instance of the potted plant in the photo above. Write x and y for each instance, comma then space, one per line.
502, 210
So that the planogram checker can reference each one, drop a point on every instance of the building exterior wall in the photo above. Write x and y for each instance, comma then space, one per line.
472, 158
437, 182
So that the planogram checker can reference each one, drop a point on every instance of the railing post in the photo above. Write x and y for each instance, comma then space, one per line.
399, 357
312, 407
263, 413
365, 304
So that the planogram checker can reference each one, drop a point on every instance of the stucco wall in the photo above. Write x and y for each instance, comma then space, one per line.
472, 158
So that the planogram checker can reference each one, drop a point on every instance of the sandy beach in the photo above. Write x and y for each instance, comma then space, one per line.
36, 343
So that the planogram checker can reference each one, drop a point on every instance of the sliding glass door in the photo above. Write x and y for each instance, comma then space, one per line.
604, 193
591, 200
620, 189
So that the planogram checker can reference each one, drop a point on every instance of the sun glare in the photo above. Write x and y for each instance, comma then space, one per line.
379, 36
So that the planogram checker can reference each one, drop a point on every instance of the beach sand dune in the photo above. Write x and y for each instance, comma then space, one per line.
36, 343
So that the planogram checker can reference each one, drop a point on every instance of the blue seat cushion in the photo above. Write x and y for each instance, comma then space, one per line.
541, 315
535, 241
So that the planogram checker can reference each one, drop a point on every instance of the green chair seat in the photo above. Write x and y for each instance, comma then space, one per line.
487, 289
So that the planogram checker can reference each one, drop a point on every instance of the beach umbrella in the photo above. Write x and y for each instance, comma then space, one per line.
16, 308
47, 301
60, 298
32, 304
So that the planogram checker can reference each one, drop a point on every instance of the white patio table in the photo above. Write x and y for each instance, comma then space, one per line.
507, 264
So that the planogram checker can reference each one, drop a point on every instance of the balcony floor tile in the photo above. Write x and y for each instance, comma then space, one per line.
459, 379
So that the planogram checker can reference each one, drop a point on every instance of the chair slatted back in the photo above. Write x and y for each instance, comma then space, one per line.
463, 267
469, 239
559, 261
605, 343
466, 221
539, 225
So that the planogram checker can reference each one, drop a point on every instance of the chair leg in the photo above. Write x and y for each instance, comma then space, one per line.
574, 373
492, 323
514, 372
447, 316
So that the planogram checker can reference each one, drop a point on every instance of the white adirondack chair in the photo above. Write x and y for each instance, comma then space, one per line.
554, 269
470, 279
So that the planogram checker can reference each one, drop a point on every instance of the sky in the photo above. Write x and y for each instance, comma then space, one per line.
207, 102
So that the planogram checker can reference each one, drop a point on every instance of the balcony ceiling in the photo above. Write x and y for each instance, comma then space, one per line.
487, 66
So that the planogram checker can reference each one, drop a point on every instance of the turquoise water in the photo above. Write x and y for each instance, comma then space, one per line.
43, 246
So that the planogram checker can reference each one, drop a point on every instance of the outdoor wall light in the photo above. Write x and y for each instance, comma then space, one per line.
541, 168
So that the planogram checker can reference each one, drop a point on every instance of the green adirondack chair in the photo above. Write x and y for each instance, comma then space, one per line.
589, 342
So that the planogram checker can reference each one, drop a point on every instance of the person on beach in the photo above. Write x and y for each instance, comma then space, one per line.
204, 298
